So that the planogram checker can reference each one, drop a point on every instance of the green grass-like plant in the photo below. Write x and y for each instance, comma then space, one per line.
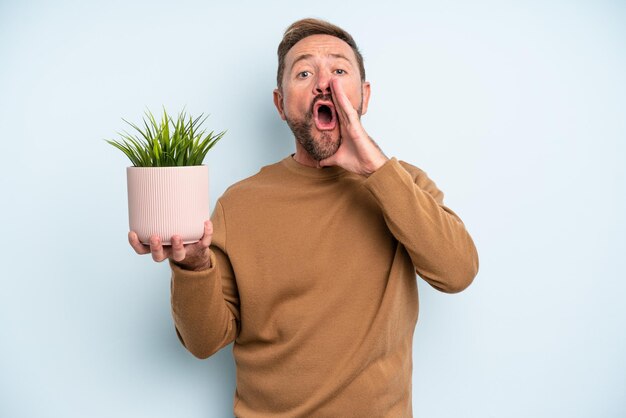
168, 143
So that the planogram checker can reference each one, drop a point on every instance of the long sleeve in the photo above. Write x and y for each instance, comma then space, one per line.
435, 238
205, 304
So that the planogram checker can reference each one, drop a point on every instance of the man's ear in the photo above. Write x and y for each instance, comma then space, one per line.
278, 102
365, 90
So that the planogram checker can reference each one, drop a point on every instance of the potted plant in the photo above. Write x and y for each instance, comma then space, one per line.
168, 186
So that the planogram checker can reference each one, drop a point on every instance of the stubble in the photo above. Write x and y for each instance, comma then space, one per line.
318, 148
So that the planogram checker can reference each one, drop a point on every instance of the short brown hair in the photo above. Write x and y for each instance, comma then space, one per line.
307, 27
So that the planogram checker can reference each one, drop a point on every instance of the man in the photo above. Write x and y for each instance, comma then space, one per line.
310, 265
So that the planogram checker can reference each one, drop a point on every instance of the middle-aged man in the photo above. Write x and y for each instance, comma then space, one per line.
310, 265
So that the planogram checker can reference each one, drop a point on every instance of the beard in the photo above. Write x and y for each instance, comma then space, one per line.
322, 146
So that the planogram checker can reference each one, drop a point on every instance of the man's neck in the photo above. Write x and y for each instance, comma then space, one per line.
304, 158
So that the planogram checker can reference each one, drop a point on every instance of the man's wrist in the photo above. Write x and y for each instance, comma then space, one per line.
195, 265
376, 165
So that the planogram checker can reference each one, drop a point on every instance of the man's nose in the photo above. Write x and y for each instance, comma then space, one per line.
322, 86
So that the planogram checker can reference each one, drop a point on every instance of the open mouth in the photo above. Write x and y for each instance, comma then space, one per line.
325, 116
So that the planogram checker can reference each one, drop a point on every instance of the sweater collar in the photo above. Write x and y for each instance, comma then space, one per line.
304, 170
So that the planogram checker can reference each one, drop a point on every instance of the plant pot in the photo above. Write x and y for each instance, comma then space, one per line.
168, 201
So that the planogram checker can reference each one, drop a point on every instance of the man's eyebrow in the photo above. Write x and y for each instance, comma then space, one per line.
300, 58
340, 56
307, 56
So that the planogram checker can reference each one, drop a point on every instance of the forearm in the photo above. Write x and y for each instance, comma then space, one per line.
436, 239
201, 315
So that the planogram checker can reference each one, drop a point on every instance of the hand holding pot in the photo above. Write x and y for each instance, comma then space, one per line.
190, 257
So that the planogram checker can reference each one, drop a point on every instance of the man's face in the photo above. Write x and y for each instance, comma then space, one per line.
305, 101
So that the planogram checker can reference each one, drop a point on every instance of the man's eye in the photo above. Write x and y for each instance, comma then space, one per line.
340, 71
303, 74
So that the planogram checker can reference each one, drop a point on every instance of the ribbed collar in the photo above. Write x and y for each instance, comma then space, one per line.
304, 170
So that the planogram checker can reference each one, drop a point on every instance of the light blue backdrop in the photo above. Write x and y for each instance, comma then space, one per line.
515, 109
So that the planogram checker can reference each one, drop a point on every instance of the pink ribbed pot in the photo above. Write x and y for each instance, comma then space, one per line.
168, 201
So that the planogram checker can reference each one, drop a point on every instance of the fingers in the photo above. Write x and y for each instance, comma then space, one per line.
205, 241
136, 244
345, 110
156, 247
178, 249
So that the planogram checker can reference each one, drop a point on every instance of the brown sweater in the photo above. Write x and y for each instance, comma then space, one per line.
314, 280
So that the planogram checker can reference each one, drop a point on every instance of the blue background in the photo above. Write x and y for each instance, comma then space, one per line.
515, 109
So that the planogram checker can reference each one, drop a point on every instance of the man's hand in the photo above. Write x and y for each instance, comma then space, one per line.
190, 257
358, 152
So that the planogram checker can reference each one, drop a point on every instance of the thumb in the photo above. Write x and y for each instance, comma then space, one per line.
327, 162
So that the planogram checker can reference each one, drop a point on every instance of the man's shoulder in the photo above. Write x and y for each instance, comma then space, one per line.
253, 186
